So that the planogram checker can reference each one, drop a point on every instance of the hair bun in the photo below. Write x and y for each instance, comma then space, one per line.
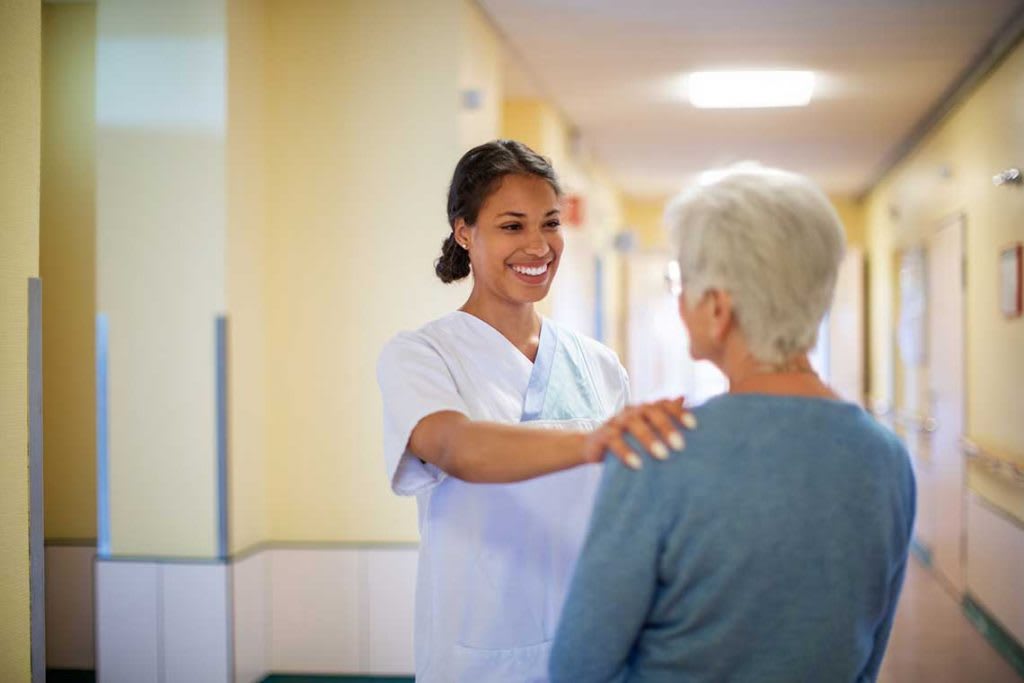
454, 262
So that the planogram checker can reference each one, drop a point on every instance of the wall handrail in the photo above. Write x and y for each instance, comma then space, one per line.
885, 412
996, 462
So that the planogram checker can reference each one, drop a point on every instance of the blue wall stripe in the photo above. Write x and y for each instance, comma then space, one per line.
222, 436
102, 444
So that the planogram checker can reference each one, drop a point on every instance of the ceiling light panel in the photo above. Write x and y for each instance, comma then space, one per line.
749, 89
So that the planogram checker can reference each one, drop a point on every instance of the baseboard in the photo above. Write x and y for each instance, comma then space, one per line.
70, 601
1001, 639
70, 676
921, 551
333, 678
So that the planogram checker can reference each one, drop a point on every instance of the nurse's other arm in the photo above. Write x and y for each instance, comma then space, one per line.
488, 452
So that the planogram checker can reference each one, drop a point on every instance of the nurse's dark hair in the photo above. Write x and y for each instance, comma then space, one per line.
478, 174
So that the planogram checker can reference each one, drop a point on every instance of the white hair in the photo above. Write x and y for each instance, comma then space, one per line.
769, 238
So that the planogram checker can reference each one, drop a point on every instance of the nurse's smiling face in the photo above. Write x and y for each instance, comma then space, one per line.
515, 246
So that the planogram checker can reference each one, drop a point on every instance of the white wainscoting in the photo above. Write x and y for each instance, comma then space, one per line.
162, 622
69, 607
127, 622
318, 610
195, 623
391, 596
342, 610
995, 564
250, 616
314, 611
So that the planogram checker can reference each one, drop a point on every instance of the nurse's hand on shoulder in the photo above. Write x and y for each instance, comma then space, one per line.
656, 426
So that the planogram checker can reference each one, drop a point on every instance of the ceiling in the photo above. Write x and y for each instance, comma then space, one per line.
610, 66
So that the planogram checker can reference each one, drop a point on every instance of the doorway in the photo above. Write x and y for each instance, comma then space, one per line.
945, 397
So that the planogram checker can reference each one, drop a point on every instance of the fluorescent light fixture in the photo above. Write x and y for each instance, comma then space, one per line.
749, 89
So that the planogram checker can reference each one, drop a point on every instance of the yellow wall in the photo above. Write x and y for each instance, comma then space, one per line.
539, 126
851, 213
362, 139
247, 272
20, 57
67, 264
161, 263
643, 216
949, 173
606, 218
479, 72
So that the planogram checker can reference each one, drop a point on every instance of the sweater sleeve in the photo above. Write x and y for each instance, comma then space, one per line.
615, 579
884, 628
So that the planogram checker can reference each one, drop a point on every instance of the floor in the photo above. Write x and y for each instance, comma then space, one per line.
933, 641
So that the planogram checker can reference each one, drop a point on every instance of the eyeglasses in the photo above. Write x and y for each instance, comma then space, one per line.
674, 278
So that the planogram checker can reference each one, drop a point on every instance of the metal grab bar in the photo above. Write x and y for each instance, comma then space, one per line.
922, 424
999, 464
884, 411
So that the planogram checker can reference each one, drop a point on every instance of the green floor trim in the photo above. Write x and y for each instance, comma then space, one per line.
70, 676
921, 551
1004, 643
333, 678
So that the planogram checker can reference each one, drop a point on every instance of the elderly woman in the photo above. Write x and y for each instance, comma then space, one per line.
774, 550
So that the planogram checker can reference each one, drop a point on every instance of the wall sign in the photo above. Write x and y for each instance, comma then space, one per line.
574, 210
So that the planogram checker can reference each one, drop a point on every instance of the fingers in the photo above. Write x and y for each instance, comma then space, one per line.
623, 452
675, 408
663, 416
687, 418
637, 421
654, 426
608, 438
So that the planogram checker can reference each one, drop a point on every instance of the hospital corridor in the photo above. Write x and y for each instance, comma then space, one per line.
231, 289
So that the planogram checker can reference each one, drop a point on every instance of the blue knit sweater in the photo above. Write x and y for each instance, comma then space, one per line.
772, 549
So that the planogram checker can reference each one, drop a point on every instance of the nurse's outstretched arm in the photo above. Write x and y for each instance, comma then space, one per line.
488, 452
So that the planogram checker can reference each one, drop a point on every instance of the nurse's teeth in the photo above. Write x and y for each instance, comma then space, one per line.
539, 270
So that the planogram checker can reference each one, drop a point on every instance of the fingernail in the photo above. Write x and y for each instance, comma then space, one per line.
659, 451
633, 461
676, 441
689, 421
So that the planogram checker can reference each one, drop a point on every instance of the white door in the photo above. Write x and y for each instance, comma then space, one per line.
946, 397
912, 338
657, 347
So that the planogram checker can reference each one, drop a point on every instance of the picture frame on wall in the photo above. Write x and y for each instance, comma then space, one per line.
1011, 300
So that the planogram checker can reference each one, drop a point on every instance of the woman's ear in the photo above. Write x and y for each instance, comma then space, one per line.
463, 233
722, 314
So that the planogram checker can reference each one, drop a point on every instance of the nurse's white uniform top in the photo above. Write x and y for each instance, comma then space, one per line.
495, 559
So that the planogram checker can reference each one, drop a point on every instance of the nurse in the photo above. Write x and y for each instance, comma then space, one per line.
495, 418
